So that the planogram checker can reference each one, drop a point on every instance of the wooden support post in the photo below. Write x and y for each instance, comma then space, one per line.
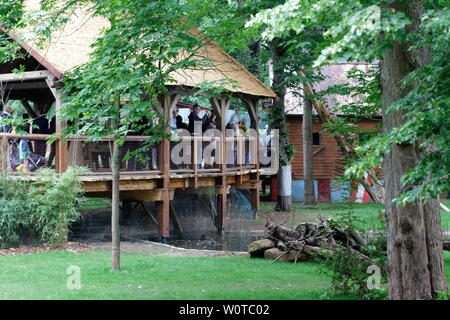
221, 212
254, 198
62, 150
194, 158
28, 108
167, 102
222, 108
252, 107
4, 154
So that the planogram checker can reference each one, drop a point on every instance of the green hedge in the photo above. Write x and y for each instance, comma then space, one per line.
39, 212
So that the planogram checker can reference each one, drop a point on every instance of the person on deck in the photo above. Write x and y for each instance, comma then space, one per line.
194, 117
40, 126
243, 131
180, 124
5, 114
233, 124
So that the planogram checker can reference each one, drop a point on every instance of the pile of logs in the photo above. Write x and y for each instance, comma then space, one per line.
308, 239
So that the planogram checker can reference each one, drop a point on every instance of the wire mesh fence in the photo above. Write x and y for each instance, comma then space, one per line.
26, 153
136, 155
195, 211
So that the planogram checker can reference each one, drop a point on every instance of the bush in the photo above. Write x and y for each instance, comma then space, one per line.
39, 212
349, 272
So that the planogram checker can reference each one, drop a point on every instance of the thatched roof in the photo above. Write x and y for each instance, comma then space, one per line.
71, 47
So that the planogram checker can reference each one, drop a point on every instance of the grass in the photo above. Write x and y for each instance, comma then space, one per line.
445, 216
43, 276
94, 203
367, 214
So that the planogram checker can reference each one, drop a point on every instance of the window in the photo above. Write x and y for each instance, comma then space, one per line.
316, 138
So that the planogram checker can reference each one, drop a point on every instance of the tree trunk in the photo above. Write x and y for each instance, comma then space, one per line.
115, 214
284, 177
115, 229
308, 176
415, 262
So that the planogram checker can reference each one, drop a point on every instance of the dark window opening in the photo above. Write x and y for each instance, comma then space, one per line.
316, 138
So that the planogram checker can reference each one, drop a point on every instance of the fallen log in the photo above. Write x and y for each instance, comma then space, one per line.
277, 232
256, 248
276, 254
313, 240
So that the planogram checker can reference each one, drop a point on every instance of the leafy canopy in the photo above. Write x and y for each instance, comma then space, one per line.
363, 30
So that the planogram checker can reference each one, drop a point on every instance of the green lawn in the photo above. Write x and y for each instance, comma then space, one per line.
368, 214
94, 203
445, 216
43, 276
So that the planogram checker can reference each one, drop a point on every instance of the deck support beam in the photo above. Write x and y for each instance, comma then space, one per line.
167, 101
221, 108
62, 148
252, 107
62, 145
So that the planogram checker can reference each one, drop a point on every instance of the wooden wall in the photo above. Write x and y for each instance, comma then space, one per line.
327, 162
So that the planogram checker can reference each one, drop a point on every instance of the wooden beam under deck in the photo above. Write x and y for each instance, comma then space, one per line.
138, 182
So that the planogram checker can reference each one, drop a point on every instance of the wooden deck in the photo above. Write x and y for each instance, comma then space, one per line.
139, 184
158, 178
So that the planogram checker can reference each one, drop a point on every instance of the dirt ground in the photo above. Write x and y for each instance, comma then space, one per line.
159, 249
287, 219
127, 247
74, 247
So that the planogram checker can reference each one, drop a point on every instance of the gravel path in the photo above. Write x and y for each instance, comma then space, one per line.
159, 249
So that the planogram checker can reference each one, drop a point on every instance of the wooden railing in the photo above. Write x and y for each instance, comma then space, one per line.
25, 153
96, 155
204, 154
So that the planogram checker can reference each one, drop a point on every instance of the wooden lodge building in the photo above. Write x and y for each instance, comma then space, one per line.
159, 179
327, 158
327, 161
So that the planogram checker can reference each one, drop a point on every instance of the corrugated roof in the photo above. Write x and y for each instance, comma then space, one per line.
71, 47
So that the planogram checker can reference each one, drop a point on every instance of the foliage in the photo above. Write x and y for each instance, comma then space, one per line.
284, 54
364, 30
11, 12
39, 211
119, 90
363, 87
348, 270
131, 64
427, 117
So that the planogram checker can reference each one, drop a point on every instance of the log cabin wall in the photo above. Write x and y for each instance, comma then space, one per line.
327, 161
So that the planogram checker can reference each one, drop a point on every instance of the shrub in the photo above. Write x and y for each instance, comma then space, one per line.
40, 211
349, 271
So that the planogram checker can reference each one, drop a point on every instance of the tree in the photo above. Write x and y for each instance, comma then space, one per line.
248, 47
416, 266
308, 176
413, 89
127, 75
255, 52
